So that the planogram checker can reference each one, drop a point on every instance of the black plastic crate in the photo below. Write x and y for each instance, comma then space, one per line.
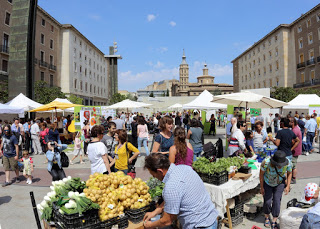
73, 221
244, 169
237, 210
120, 221
136, 215
236, 221
217, 178
252, 216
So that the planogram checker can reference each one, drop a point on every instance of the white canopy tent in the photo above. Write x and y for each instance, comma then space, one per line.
6, 109
203, 102
70, 110
302, 102
177, 105
22, 101
128, 104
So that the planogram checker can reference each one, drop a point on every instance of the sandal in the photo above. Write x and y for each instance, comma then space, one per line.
6, 184
267, 222
274, 225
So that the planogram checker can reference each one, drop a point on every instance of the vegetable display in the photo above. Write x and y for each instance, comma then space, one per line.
155, 187
203, 165
115, 193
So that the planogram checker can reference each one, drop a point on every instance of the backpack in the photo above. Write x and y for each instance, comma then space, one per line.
64, 160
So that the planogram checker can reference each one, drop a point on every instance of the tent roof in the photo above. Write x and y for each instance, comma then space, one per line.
6, 109
24, 102
303, 101
203, 101
128, 104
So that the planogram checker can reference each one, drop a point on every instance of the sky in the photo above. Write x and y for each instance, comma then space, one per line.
151, 34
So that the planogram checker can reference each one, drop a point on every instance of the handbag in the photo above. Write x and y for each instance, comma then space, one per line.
64, 160
131, 168
283, 178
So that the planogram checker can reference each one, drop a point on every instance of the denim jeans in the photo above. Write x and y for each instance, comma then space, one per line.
213, 226
124, 171
196, 152
144, 142
275, 130
310, 221
310, 137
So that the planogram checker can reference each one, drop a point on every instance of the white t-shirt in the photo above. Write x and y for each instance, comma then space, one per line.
95, 152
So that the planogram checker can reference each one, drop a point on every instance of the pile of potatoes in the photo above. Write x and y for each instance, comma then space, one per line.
116, 192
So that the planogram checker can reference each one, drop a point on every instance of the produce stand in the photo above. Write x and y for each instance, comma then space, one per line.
221, 194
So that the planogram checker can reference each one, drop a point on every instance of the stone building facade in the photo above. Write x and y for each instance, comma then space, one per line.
288, 56
205, 82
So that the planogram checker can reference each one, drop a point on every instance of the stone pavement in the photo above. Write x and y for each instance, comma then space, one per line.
15, 204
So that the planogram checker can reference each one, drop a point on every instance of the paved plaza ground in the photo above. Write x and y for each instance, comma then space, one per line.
16, 209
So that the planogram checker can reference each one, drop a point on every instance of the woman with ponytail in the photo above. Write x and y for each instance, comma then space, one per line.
181, 152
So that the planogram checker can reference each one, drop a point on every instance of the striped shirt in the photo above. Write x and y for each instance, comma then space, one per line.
184, 195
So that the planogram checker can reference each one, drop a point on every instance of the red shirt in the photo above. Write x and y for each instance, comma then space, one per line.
298, 150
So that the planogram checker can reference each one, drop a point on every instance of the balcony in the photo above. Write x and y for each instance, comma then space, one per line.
52, 67
311, 62
307, 84
4, 49
35, 61
301, 65
43, 63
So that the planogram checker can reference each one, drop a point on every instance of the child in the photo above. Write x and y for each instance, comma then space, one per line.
77, 148
27, 166
249, 142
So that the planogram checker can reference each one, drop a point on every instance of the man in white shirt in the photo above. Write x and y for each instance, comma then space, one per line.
35, 132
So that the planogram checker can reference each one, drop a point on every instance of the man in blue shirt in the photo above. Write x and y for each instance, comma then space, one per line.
184, 194
310, 131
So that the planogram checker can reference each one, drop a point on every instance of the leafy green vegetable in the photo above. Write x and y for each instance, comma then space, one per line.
155, 187
203, 165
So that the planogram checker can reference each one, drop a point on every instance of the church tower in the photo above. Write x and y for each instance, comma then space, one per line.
184, 77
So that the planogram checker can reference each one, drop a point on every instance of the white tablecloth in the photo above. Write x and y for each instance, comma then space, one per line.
220, 194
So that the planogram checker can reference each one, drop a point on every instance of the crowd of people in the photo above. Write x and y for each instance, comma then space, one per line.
178, 140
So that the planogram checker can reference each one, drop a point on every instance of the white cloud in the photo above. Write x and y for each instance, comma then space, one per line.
163, 49
214, 70
158, 64
151, 17
95, 17
172, 23
134, 81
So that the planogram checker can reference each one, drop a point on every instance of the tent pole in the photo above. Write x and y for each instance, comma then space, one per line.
245, 120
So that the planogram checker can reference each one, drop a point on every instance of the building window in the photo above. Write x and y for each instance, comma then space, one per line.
308, 23
80, 85
301, 58
264, 57
275, 37
51, 44
85, 72
42, 38
246, 78
89, 62
250, 65
42, 76
42, 56
277, 83
80, 43
254, 75
51, 80
299, 28
10, 1
312, 76
51, 60
277, 65
74, 52
94, 90
5, 65
75, 67
300, 43
264, 84
90, 88
75, 84
264, 70
264, 46
311, 54
277, 52
270, 67
7, 18
43, 22
258, 49
302, 77
259, 60
242, 78
270, 82
75, 38
269, 42
254, 63
258, 72
86, 87
246, 67
259, 85
5, 42
80, 69
80, 55
52, 28
249, 76
270, 54
318, 17
310, 38
254, 53
319, 33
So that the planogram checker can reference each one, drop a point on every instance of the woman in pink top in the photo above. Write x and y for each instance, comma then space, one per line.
298, 150
77, 148
181, 153
143, 134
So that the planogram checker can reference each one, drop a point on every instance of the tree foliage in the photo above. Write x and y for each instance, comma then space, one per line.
45, 94
287, 94
151, 94
167, 94
75, 99
216, 92
131, 97
116, 98
4, 92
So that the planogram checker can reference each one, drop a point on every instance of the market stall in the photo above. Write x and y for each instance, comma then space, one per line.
103, 201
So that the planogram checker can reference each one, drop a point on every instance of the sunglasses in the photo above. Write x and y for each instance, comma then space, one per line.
6, 130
